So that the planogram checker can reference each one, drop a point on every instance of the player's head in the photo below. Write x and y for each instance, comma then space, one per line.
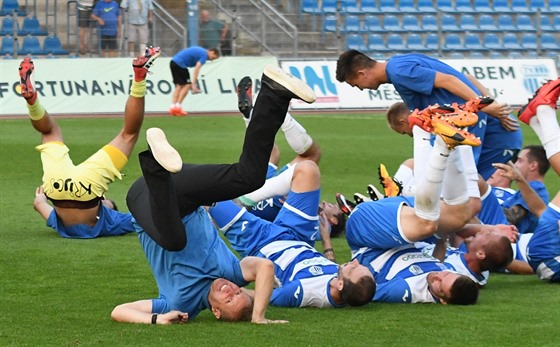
229, 302
353, 67
213, 54
532, 161
492, 249
111, 204
355, 283
452, 288
397, 118
336, 218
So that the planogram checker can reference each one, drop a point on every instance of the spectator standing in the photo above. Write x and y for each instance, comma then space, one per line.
108, 16
140, 14
212, 32
84, 24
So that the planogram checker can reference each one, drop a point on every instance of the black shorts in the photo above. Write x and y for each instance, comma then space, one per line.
180, 76
84, 18
109, 42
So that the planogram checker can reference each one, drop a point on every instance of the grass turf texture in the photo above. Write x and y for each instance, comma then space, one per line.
60, 292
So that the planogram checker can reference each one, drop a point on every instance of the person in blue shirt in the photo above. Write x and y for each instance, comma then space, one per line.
192, 266
107, 14
193, 56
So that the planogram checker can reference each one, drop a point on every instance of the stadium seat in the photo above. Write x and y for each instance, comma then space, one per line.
556, 22
510, 42
31, 26
476, 55
432, 42
415, 44
520, 6
9, 26
501, 6
529, 41
329, 23
445, 5
310, 6
410, 23
535, 5
388, 6
546, 24
486, 23
524, 23
468, 23
351, 24
391, 23
463, 6
531, 54
350, 7
52, 45
492, 42
31, 46
554, 6
369, 6
455, 55
482, 6
453, 42
376, 43
515, 55
9, 6
355, 41
549, 42
371, 24
495, 55
429, 23
472, 42
425, 6
395, 43
449, 23
9, 46
505, 23
329, 6
407, 6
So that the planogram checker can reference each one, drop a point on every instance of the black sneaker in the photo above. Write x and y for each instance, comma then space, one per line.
345, 206
245, 96
286, 85
373, 193
359, 198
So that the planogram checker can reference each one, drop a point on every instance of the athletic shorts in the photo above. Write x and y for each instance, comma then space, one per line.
137, 33
84, 18
62, 180
180, 76
109, 42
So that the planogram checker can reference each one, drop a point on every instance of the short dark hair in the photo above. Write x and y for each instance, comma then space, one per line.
499, 254
538, 154
215, 51
351, 61
360, 293
245, 314
396, 111
464, 291
340, 227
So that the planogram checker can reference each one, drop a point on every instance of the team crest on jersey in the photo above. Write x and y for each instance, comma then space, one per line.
415, 269
316, 270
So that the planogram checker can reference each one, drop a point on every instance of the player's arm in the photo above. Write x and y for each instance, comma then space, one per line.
325, 232
440, 250
141, 312
261, 271
520, 267
454, 85
40, 203
194, 81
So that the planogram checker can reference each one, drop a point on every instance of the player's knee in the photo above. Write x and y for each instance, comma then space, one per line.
308, 169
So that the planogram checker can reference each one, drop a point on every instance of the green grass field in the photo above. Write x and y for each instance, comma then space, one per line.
60, 292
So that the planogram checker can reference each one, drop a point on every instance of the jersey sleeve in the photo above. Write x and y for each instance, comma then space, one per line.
290, 295
395, 291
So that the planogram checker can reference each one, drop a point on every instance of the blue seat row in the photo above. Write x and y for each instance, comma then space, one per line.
8, 7
31, 26
32, 46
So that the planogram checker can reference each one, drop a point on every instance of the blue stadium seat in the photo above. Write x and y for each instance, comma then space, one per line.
535, 5
329, 23
531, 54
515, 55
524, 23
395, 43
432, 42
529, 41
463, 6
351, 24
388, 6
52, 45
505, 23
371, 24
520, 6
486, 23
9, 46
546, 24
445, 5
501, 6
476, 55
31, 26
310, 6
426, 6
429, 23
410, 23
453, 42
407, 6
482, 6
549, 42
9, 6
510, 42
556, 22
495, 55
369, 6
376, 43
391, 23
468, 23
455, 55
9, 26
355, 41
449, 23
472, 42
492, 42
415, 43
554, 6
350, 7
329, 6
31, 45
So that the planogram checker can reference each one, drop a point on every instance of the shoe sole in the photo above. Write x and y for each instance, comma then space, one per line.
462, 119
244, 100
453, 136
525, 117
374, 193
148, 64
359, 198
26, 81
296, 86
390, 188
163, 152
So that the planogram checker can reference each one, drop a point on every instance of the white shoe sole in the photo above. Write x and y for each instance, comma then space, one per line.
163, 152
374, 191
295, 85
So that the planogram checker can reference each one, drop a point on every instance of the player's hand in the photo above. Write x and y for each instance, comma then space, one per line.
509, 171
173, 317
507, 230
270, 321
502, 113
40, 194
195, 89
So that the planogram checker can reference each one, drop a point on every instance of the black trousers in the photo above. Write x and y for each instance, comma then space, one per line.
158, 200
